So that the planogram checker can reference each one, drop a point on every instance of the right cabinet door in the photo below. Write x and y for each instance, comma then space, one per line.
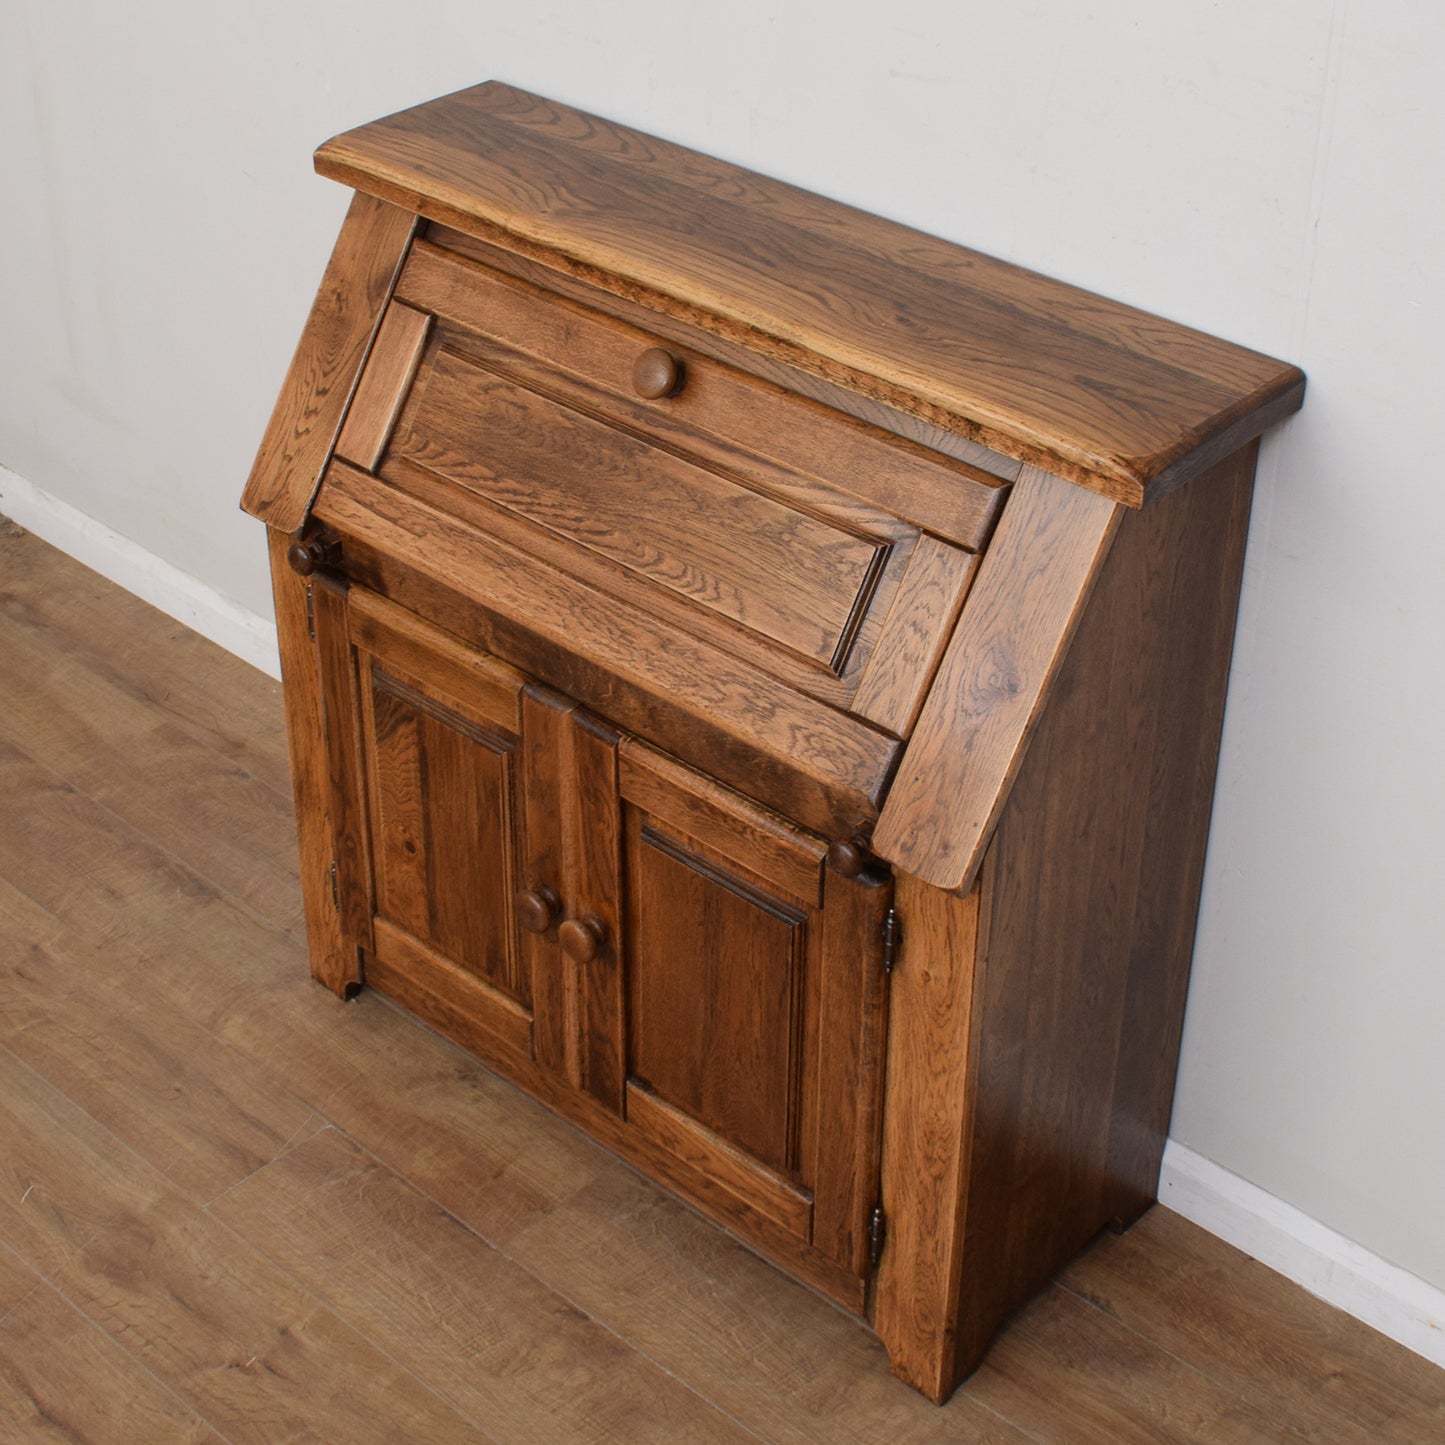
753, 1000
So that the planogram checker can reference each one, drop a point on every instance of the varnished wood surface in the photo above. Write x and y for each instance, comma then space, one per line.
1090, 892
317, 1220
1082, 980
748, 1070
313, 400
993, 681
701, 702
379, 393
1090, 388
723, 403
332, 953
706, 536
928, 437
927, 1124
915, 633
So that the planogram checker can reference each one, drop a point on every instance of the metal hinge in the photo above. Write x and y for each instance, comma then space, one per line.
310, 612
892, 939
335, 889
877, 1234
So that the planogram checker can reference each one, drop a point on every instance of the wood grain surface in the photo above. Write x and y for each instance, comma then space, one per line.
332, 951
1082, 980
834, 767
62, 1378
1092, 389
308, 414
744, 416
924, 438
993, 682
915, 633
772, 568
449, 1260
457, 1311
383, 385
927, 1120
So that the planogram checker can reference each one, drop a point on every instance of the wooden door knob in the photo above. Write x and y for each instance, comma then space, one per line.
537, 908
313, 554
657, 373
582, 939
849, 857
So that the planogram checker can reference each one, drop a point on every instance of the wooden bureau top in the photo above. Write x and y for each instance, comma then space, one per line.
1093, 390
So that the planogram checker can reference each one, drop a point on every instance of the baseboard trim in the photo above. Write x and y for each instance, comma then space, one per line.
1292, 1243
149, 577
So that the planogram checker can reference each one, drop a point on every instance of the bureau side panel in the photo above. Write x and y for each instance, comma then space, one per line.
308, 413
1092, 895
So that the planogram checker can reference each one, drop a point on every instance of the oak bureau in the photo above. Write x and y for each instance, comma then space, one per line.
754, 676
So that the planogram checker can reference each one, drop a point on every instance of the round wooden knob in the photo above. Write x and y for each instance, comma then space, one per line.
657, 373
582, 939
847, 857
537, 908
309, 556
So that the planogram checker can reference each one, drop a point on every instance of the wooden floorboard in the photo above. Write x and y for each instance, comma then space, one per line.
234, 1208
63, 1378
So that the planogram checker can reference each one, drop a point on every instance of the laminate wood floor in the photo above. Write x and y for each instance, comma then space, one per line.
233, 1208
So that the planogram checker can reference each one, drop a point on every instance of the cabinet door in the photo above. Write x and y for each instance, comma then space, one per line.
671, 964
437, 737
753, 998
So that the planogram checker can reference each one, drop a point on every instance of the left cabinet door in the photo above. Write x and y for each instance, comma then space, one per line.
424, 739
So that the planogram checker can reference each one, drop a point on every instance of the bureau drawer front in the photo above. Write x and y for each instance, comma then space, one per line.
727, 413
801, 580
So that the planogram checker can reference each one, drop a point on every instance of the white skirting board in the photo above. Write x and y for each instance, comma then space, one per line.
1290, 1242
1277, 1234
128, 564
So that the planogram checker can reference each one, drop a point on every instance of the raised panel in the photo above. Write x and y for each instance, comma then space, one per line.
791, 444
756, 1007
715, 979
443, 826
796, 578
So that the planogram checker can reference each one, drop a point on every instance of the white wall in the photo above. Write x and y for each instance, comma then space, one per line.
1269, 170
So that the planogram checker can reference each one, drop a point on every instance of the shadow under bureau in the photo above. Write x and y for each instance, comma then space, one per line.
754, 675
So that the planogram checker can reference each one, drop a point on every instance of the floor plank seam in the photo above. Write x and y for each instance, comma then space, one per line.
134, 1359
82, 654
280, 1153
964, 1392
223, 1044
44, 1282
220, 1223
1292, 1377
211, 886
33, 902
31, 1292
1264, 1403
548, 1285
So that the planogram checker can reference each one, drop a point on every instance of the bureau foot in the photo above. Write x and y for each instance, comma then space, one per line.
342, 970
